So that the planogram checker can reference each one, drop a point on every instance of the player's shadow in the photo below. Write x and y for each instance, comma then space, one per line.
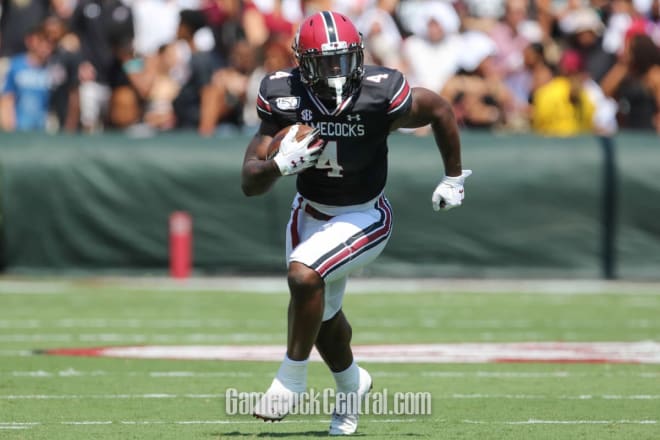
305, 434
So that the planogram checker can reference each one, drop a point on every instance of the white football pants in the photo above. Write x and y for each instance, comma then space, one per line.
336, 241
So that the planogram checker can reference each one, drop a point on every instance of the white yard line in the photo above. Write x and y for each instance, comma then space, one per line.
277, 285
550, 397
28, 425
563, 422
108, 396
476, 396
190, 338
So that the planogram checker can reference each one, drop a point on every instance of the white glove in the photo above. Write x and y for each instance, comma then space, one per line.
449, 193
294, 156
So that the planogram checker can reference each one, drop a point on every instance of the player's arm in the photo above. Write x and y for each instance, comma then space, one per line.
7, 113
259, 174
430, 108
294, 155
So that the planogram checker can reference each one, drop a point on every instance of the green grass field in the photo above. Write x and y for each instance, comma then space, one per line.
60, 398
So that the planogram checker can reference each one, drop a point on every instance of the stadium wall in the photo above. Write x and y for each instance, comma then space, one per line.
535, 207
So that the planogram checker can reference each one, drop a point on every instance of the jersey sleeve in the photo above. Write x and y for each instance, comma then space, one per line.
400, 97
264, 109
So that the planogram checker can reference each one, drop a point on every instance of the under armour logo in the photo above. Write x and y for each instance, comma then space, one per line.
352, 118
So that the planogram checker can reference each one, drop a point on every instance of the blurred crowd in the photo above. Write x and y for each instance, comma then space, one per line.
554, 67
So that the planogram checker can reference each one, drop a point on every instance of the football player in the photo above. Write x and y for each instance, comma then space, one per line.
340, 219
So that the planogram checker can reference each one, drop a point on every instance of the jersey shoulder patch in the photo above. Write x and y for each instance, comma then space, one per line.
277, 94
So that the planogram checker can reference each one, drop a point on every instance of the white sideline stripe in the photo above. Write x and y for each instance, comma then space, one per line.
132, 323
33, 288
17, 353
153, 374
395, 285
564, 422
646, 352
222, 396
72, 373
137, 323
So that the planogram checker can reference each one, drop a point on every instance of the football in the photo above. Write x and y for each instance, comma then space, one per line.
274, 145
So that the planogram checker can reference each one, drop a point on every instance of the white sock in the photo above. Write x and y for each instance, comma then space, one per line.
348, 380
293, 374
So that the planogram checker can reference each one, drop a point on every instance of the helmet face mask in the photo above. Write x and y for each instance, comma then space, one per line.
330, 56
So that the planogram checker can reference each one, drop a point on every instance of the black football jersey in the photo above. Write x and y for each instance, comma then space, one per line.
353, 166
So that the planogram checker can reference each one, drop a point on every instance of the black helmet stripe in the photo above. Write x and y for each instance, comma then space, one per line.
330, 26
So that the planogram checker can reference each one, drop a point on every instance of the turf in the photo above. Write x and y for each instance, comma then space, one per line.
50, 397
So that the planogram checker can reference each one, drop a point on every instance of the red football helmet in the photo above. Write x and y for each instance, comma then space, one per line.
330, 55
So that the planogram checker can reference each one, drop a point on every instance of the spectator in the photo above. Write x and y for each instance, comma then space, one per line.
229, 86
549, 12
584, 28
654, 21
434, 37
155, 24
63, 66
276, 56
100, 25
485, 10
634, 82
193, 106
479, 97
159, 112
539, 73
511, 36
623, 15
382, 38
352, 8
280, 16
26, 90
312, 6
131, 80
232, 21
563, 106
19, 17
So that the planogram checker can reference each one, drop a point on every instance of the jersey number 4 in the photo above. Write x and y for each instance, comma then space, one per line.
328, 160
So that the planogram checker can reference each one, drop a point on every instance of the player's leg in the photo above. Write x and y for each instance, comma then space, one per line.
334, 342
334, 338
305, 310
305, 314
321, 250
334, 345
304, 320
